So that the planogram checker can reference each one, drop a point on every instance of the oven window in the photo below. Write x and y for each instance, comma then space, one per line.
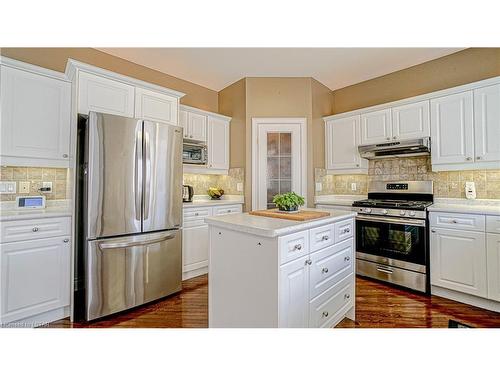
396, 241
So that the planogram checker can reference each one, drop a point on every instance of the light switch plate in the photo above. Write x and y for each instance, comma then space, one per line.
354, 186
319, 186
24, 187
8, 187
239, 186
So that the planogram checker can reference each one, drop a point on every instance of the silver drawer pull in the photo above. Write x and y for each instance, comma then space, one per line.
35, 229
325, 238
346, 230
384, 270
297, 247
347, 259
347, 296
324, 270
454, 221
308, 262
66, 240
325, 314
196, 214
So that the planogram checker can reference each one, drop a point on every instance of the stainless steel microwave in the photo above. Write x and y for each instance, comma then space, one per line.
194, 153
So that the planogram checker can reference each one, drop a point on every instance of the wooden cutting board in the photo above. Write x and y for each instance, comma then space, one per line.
302, 215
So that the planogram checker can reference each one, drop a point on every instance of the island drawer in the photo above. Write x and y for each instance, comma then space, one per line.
454, 220
223, 210
329, 266
493, 224
293, 246
21, 230
324, 308
321, 237
343, 230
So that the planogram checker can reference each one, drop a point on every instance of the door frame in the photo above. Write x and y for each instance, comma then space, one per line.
256, 122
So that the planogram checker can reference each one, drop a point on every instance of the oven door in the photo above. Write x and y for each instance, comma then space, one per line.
394, 238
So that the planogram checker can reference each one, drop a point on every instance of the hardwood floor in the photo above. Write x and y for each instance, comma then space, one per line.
378, 305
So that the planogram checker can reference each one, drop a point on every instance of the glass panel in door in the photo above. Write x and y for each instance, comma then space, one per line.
279, 165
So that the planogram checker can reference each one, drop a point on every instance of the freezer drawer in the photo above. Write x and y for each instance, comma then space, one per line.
128, 271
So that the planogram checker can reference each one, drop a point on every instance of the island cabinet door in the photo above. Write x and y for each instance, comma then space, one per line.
294, 294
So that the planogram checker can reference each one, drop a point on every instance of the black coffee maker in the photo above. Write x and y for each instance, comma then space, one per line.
187, 193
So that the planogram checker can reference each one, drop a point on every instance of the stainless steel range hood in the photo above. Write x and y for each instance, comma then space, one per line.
413, 147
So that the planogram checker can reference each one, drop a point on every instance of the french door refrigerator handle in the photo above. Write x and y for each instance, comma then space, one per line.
138, 174
137, 242
147, 173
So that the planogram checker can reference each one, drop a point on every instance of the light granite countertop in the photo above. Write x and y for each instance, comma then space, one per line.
271, 227
338, 200
53, 208
466, 206
204, 200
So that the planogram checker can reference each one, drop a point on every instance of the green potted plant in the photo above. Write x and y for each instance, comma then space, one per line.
288, 202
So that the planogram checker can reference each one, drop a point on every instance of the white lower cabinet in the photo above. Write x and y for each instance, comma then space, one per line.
294, 294
458, 261
34, 279
493, 247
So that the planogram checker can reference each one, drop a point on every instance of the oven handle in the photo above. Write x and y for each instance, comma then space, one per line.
378, 219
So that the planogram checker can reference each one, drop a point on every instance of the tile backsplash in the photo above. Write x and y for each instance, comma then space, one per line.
446, 184
201, 182
35, 176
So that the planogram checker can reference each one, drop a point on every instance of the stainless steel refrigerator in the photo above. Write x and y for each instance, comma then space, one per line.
129, 207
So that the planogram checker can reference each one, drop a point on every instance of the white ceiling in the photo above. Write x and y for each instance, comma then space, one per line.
217, 68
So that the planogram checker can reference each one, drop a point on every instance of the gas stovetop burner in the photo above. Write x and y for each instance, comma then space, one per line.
392, 203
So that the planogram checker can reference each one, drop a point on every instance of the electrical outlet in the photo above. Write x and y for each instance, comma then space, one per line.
46, 187
354, 186
24, 187
239, 186
319, 186
7, 187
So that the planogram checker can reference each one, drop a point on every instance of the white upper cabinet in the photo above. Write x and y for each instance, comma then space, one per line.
100, 94
452, 129
197, 127
155, 106
183, 121
487, 123
342, 140
218, 143
411, 121
35, 118
376, 127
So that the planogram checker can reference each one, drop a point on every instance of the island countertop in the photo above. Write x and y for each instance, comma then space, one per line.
272, 227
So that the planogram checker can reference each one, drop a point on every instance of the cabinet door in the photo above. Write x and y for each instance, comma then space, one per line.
452, 129
197, 125
411, 121
155, 106
342, 140
194, 248
99, 94
294, 294
35, 116
35, 277
493, 254
218, 143
458, 260
376, 127
487, 123
183, 121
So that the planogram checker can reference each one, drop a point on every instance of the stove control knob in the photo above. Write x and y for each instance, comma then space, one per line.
412, 213
402, 212
367, 210
384, 212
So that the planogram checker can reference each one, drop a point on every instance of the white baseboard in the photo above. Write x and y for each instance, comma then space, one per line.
194, 273
465, 298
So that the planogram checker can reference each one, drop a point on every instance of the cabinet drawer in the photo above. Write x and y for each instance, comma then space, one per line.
323, 310
493, 224
344, 230
223, 210
190, 214
20, 230
458, 221
321, 237
329, 266
293, 246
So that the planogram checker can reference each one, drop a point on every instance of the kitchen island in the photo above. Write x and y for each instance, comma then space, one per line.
267, 272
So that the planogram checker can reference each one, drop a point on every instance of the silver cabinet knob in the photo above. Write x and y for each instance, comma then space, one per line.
325, 314
35, 229
308, 262
433, 230
196, 214
346, 230
324, 270
478, 157
325, 238
347, 259
66, 240
65, 156
394, 137
468, 158
347, 296
357, 165
297, 247
454, 221
190, 136
388, 138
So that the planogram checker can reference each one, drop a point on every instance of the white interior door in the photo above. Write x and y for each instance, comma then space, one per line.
279, 159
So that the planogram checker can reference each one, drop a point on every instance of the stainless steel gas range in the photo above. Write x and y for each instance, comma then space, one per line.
392, 233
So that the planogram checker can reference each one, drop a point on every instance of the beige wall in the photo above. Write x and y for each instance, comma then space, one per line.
473, 64
56, 58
